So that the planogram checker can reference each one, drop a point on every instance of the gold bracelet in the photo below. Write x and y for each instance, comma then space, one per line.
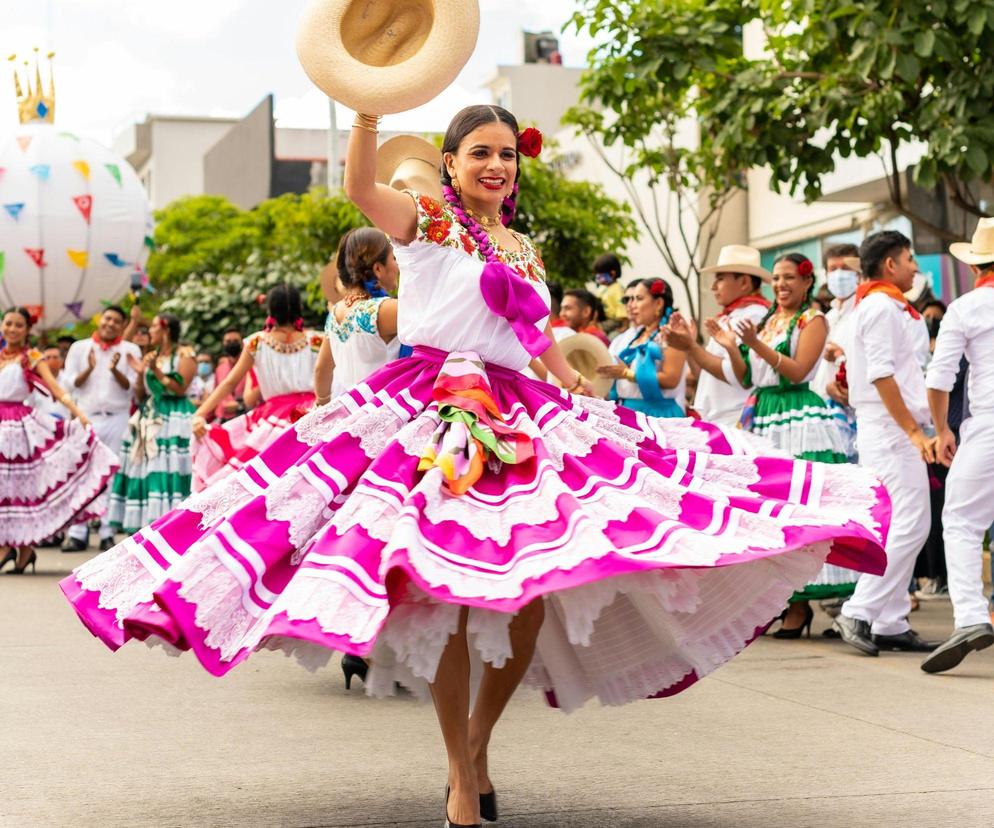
322, 400
370, 123
629, 375
577, 384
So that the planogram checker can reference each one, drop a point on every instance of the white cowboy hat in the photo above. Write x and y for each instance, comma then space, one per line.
384, 56
981, 249
409, 163
739, 258
584, 353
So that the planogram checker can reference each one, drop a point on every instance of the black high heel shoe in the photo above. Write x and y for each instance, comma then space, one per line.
488, 806
354, 666
10, 556
796, 632
31, 561
449, 823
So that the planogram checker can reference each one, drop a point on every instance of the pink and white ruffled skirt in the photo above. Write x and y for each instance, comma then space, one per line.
661, 547
51, 472
227, 447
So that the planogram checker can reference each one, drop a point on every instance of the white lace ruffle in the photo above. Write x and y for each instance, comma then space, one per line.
217, 501
20, 439
120, 578
34, 480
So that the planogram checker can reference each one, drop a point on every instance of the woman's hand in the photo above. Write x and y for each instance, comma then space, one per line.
680, 333
748, 332
616, 370
586, 388
198, 426
149, 363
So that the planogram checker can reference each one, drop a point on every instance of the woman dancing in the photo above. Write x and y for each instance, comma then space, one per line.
51, 471
283, 356
431, 515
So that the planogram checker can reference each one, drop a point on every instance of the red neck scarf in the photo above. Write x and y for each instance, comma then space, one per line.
985, 281
105, 346
745, 302
891, 290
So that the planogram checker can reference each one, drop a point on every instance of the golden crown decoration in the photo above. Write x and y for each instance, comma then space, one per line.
34, 104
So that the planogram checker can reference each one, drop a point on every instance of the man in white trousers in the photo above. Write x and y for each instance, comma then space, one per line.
887, 391
100, 375
967, 328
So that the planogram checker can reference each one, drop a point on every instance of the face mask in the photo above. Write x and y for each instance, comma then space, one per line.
842, 283
233, 349
933, 327
603, 278
204, 369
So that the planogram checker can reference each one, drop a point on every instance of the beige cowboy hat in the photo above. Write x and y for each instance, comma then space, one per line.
406, 162
584, 353
739, 258
981, 249
384, 56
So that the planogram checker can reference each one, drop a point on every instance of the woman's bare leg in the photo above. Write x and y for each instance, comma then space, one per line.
497, 686
450, 692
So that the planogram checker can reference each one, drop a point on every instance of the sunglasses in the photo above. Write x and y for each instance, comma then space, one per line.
626, 299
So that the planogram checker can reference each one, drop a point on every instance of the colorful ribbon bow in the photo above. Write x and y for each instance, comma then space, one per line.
514, 299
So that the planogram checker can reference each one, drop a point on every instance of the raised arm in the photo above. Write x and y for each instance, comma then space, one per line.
389, 209
242, 367
59, 392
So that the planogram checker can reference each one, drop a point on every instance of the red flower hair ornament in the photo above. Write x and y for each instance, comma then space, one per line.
530, 142
658, 288
805, 268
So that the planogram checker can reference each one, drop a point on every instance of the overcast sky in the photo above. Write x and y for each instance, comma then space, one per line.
120, 59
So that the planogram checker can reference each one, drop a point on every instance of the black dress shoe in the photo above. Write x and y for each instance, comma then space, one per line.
75, 545
106, 543
855, 633
954, 649
908, 642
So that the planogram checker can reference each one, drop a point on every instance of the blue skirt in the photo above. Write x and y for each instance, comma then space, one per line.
667, 407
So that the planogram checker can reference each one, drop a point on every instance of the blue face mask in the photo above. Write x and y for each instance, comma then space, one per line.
604, 278
842, 283
204, 369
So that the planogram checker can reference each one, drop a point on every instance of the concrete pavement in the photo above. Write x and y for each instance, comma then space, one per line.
788, 734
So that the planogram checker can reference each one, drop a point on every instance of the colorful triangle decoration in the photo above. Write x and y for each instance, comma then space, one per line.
115, 171
3, 256
115, 260
37, 255
80, 258
24, 141
82, 168
150, 243
14, 209
43, 171
84, 204
75, 308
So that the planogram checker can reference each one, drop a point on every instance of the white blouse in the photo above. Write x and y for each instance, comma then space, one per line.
281, 368
763, 374
628, 390
356, 344
440, 303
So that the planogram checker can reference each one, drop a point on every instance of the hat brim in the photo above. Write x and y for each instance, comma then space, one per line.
393, 153
331, 286
748, 270
964, 252
396, 87
584, 353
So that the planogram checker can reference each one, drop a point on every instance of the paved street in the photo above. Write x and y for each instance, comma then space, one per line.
789, 734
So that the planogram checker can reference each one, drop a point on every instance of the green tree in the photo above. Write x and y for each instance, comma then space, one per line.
572, 222
836, 79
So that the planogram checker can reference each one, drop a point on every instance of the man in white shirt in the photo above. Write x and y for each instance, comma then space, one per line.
842, 271
967, 328
887, 391
738, 277
100, 375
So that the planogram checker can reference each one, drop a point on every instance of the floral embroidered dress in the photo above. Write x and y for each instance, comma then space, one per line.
356, 344
155, 456
285, 375
51, 471
448, 480
796, 420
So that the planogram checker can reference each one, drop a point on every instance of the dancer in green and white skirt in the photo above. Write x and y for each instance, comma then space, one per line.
156, 468
778, 358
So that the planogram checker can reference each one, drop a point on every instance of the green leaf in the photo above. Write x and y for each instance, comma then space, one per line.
908, 66
976, 160
924, 43
978, 20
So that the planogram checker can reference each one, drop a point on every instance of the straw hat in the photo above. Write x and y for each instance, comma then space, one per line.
384, 56
981, 249
584, 353
739, 258
409, 163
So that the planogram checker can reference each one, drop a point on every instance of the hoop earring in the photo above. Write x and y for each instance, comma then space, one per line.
457, 186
